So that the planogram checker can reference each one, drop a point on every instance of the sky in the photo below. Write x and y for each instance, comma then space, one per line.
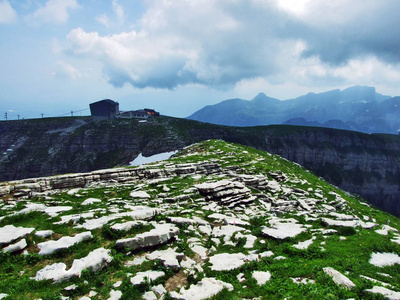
177, 56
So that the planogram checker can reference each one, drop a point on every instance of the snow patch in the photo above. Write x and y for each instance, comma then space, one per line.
140, 159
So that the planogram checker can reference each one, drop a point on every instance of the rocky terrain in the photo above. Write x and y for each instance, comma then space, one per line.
217, 220
366, 164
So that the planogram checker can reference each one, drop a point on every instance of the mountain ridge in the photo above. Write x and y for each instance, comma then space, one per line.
359, 108
366, 164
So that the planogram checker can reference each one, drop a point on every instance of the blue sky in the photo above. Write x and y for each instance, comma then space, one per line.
177, 56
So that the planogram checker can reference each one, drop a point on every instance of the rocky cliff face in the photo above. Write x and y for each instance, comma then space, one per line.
365, 164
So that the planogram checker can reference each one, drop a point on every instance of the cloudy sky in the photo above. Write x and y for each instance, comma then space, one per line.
177, 56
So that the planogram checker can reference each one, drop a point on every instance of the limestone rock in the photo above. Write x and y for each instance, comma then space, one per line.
384, 259
168, 257
204, 289
16, 247
139, 194
150, 275
115, 295
44, 233
389, 294
90, 201
159, 235
226, 192
47, 248
228, 261
10, 233
339, 278
261, 277
94, 261
283, 228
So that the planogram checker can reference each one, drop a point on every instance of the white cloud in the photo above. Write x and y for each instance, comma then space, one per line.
7, 13
54, 11
245, 44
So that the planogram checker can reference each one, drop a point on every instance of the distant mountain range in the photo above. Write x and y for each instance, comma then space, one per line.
357, 108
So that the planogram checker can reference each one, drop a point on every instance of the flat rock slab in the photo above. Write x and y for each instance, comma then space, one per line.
94, 261
227, 231
384, 259
44, 233
168, 257
188, 221
90, 201
159, 235
204, 289
140, 277
283, 229
139, 194
304, 245
16, 247
392, 295
50, 247
10, 233
228, 219
137, 213
348, 223
339, 278
261, 277
228, 261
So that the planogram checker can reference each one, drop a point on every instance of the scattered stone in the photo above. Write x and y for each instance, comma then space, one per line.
261, 277
44, 233
240, 277
159, 290
283, 228
228, 220
384, 259
339, 278
226, 192
139, 194
304, 245
50, 247
90, 201
94, 261
300, 280
16, 247
392, 295
136, 261
348, 223
204, 289
140, 277
162, 233
10, 233
149, 296
228, 261
266, 254
376, 281
126, 226
168, 257
192, 221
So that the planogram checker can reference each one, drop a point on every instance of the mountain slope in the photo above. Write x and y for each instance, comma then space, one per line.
365, 164
217, 220
356, 108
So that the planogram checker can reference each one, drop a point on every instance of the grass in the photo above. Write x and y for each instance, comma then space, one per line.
349, 256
